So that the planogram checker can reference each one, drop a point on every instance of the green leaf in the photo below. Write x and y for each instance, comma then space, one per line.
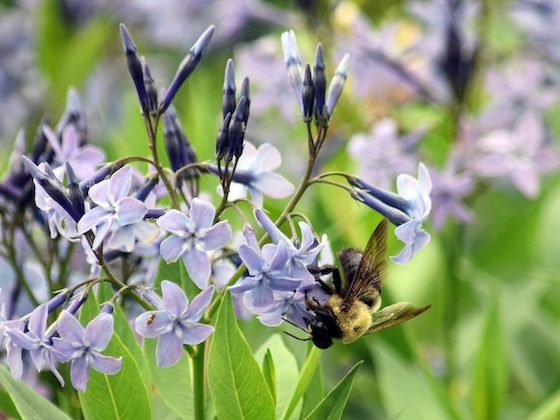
121, 396
549, 409
236, 383
489, 381
287, 372
315, 392
405, 393
28, 403
176, 273
309, 366
173, 384
125, 333
269, 374
7, 406
332, 406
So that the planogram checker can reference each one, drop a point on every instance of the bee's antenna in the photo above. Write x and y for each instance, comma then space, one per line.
293, 323
297, 338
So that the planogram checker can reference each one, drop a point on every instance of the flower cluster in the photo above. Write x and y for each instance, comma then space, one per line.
111, 222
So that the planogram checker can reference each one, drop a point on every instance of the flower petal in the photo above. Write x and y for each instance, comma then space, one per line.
99, 193
198, 266
99, 331
202, 213
252, 259
130, 210
101, 233
120, 183
106, 364
153, 323
169, 348
246, 283
266, 222
70, 329
217, 236
122, 239
174, 299
199, 304
259, 297
38, 320
171, 248
273, 185
174, 221
93, 218
196, 333
268, 159
79, 373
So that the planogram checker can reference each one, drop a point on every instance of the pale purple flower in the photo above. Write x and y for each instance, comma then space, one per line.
521, 154
287, 305
300, 253
408, 209
175, 323
449, 190
83, 158
83, 347
192, 236
222, 270
382, 154
255, 174
267, 273
116, 213
36, 341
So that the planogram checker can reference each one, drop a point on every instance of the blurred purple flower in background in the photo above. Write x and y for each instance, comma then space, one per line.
382, 154
521, 154
255, 174
175, 323
192, 236
83, 347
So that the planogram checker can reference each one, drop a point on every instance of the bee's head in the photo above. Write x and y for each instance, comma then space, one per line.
320, 334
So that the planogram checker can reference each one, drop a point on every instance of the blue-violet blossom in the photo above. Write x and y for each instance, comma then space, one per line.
84, 346
192, 236
175, 323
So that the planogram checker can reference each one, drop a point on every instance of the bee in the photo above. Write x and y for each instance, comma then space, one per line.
352, 309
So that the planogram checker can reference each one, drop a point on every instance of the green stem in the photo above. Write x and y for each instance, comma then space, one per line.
198, 382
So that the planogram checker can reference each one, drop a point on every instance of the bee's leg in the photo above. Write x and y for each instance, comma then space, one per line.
326, 288
337, 281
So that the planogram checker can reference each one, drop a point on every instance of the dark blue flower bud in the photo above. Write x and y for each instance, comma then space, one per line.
186, 67
151, 88
146, 188
228, 101
107, 308
75, 192
54, 303
245, 93
73, 115
40, 143
77, 302
320, 82
154, 213
308, 95
387, 197
236, 129
177, 145
222, 139
134, 66
99, 176
394, 215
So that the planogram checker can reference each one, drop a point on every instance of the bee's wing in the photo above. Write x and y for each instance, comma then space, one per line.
394, 315
372, 267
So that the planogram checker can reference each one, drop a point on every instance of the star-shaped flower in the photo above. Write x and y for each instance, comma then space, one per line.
191, 237
115, 213
176, 323
84, 346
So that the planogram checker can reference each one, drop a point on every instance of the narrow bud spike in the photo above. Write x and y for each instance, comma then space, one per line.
228, 102
245, 93
320, 82
76, 196
236, 130
337, 84
134, 66
151, 88
222, 139
394, 215
186, 67
308, 95
293, 64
